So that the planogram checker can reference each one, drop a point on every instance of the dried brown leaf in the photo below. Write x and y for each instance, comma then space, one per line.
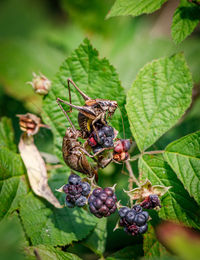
36, 169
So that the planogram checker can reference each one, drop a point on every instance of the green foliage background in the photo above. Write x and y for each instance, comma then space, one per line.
43, 36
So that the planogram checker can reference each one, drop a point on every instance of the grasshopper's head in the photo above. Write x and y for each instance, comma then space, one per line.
108, 106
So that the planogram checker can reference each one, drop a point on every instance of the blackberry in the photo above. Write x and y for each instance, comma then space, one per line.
81, 201
103, 140
108, 142
151, 202
133, 220
118, 147
76, 191
137, 208
108, 131
140, 219
121, 148
146, 214
126, 144
123, 211
102, 202
85, 188
130, 216
143, 229
74, 179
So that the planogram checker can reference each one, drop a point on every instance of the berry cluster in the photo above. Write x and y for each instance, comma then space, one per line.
77, 191
103, 138
133, 220
121, 150
102, 202
151, 202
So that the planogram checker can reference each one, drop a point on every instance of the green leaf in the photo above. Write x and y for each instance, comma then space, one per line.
177, 205
95, 77
158, 98
127, 253
10, 164
134, 7
12, 238
7, 134
12, 186
96, 241
47, 225
12, 190
185, 19
183, 156
50, 253
152, 247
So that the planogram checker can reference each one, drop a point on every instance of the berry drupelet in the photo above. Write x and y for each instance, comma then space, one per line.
151, 202
102, 202
76, 191
133, 220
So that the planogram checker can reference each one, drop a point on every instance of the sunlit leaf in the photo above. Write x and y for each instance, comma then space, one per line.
158, 98
183, 155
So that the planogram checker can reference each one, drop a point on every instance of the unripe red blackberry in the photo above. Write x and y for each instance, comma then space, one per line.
102, 202
121, 148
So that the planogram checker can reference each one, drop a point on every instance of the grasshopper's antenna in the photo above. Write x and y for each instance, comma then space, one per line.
122, 122
74, 129
81, 92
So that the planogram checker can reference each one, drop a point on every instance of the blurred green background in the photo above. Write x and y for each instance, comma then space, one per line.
37, 35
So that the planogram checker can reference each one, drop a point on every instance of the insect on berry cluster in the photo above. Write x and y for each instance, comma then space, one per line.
134, 220
102, 202
76, 191
101, 139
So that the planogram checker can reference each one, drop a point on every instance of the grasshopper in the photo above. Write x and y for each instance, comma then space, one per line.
74, 154
93, 110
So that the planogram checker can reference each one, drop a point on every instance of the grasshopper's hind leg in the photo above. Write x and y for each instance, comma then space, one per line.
59, 101
81, 92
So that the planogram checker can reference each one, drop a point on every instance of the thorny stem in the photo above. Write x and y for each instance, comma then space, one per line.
134, 158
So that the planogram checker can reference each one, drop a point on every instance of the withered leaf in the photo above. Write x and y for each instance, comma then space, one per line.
36, 169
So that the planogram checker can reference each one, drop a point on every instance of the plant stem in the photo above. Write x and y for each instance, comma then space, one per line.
154, 152
131, 174
134, 158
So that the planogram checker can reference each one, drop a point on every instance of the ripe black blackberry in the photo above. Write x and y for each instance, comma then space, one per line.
151, 202
103, 140
133, 220
102, 202
76, 191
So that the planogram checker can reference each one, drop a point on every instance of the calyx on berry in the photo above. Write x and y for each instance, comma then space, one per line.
147, 193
